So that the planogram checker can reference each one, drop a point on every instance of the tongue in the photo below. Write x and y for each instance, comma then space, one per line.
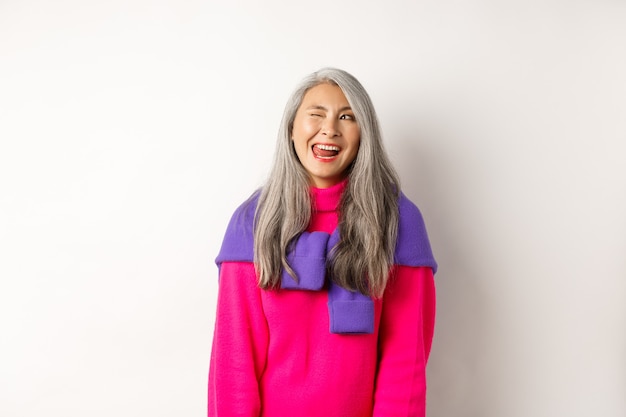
324, 153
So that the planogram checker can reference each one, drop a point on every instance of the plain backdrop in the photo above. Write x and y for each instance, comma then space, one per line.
131, 129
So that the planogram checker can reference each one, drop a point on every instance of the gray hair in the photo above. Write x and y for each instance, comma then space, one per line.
368, 211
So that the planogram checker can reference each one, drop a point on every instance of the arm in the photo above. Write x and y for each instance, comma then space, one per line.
239, 344
405, 337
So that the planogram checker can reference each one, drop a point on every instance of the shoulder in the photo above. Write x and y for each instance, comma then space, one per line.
408, 209
238, 243
413, 247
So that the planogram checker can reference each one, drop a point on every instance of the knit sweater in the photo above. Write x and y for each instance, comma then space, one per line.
274, 356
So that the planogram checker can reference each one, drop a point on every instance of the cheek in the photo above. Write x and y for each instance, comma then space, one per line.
301, 123
297, 134
356, 139
299, 144
307, 128
354, 135
356, 144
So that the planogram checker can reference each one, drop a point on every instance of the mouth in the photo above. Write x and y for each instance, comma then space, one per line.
322, 151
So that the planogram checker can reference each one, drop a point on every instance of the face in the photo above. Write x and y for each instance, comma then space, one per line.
326, 135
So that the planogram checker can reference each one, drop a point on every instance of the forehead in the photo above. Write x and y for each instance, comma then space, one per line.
325, 93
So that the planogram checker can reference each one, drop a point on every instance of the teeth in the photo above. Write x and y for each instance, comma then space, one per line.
328, 148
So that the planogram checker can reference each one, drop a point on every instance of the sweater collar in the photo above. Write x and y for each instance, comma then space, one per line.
327, 199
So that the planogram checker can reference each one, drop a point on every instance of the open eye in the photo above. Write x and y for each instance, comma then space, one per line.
346, 117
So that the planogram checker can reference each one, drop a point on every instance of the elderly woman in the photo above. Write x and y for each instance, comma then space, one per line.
326, 294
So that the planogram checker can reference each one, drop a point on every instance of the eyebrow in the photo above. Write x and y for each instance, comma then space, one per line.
320, 107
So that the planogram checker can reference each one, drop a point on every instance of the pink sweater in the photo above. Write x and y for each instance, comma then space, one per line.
273, 354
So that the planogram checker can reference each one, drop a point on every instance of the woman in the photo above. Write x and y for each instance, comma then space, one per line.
326, 295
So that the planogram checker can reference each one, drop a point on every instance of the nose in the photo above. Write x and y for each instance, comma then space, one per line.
330, 127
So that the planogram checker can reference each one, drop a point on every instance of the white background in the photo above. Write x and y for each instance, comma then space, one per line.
130, 130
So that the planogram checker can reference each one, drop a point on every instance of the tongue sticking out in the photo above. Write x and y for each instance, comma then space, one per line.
324, 153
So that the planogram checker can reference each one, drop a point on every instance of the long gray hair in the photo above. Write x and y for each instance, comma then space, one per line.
368, 211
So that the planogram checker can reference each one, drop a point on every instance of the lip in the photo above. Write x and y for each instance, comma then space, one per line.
327, 158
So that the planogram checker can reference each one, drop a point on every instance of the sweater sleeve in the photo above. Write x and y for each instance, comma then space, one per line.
240, 344
405, 338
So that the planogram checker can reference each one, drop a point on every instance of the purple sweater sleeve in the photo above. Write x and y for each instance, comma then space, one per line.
240, 344
405, 338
